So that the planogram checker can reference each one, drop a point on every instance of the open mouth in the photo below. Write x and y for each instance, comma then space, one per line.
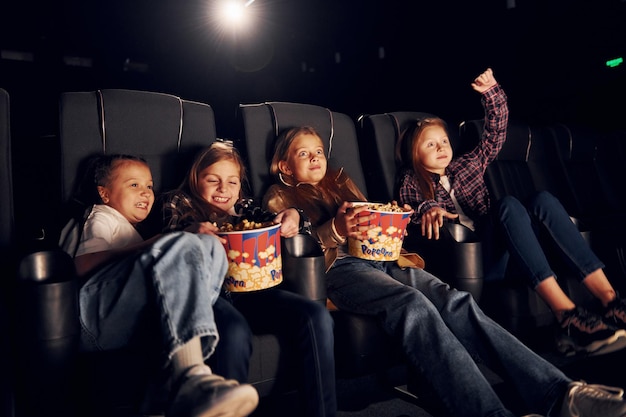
142, 205
221, 200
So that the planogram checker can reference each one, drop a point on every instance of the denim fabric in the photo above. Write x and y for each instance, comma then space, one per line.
306, 327
520, 228
444, 335
231, 358
169, 288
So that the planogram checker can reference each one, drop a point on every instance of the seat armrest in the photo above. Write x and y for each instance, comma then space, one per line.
456, 257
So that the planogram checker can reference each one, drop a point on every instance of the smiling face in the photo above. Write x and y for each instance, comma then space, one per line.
220, 184
305, 160
433, 149
130, 190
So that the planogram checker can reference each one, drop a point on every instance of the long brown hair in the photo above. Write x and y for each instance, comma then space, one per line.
407, 154
320, 202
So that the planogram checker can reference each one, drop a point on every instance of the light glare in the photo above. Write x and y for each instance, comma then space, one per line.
233, 12
233, 15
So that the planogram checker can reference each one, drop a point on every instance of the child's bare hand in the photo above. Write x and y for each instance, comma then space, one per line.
484, 81
348, 222
432, 221
289, 222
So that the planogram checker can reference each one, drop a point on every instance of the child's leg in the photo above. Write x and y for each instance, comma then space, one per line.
550, 291
598, 284
547, 210
580, 331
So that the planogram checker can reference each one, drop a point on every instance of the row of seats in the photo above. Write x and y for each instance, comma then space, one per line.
580, 165
168, 131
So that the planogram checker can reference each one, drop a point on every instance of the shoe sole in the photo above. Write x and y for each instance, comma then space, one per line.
237, 402
619, 344
614, 343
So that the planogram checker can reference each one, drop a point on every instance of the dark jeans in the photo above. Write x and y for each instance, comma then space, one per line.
445, 334
234, 348
304, 326
517, 230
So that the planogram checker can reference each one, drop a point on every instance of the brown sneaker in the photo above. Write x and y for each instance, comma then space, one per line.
200, 393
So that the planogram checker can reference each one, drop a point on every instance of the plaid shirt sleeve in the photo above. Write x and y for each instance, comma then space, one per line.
410, 193
467, 171
177, 213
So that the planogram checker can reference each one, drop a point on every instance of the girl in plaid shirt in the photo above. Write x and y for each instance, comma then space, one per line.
440, 188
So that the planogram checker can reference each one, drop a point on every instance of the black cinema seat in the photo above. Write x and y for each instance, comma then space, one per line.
7, 255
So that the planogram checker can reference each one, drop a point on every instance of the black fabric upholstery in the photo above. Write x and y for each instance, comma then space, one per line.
546, 166
7, 223
162, 128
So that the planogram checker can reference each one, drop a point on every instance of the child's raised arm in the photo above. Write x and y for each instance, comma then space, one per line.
484, 81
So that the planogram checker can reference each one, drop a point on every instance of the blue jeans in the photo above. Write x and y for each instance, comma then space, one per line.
157, 299
305, 328
444, 334
519, 227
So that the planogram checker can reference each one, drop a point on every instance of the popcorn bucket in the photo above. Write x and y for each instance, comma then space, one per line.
383, 242
254, 260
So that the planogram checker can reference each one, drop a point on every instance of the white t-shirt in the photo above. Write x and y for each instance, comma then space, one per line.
463, 218
106, 229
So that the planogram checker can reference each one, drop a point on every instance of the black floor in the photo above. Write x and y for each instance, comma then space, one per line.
386, 396
375, 396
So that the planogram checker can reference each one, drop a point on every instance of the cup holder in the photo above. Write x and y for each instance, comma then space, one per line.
46, 266
47, 338
304, 267
460, 233
47, 297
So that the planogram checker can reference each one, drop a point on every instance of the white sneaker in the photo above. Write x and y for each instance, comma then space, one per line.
200, 393
589, 400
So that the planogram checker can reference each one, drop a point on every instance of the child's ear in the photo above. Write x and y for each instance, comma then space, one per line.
284, 167
103, 193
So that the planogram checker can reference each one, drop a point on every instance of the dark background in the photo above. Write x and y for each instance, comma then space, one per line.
549, 56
